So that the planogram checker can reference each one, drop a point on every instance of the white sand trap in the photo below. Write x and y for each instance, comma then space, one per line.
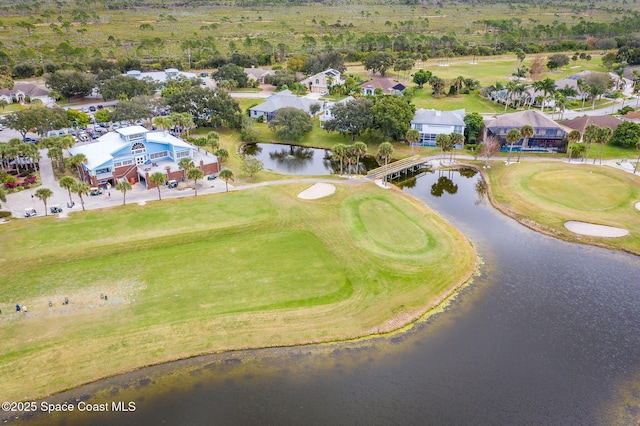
142, 203
316, 191
638, 205
593, 230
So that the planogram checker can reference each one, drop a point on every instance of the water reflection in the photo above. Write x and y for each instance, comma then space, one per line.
300, 160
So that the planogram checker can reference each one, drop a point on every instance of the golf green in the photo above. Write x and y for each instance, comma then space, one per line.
179, 278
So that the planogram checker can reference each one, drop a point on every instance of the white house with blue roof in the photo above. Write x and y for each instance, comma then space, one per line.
134, 153
430, 123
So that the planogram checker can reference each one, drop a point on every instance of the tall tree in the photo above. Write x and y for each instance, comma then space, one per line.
392, 116
489, 148
526, 132
473, 124
123, 186
359, 150
603, 136
352, 117
412, 137
290, 124
195, 174
226, 175
71, 83
547, 87
513, 136
81, 189
43, 194
385, 152
573, 137
251, 165
158, 178
589, 137
443, 141
456, 139
185, 164
68, 183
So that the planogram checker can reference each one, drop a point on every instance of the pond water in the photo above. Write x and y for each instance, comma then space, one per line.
301, 160
549, 333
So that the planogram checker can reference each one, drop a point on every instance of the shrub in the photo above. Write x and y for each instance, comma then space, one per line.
4, 214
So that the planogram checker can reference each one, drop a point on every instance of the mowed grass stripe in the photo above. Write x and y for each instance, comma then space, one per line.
292, 276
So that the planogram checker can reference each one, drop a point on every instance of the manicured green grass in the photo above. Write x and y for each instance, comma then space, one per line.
551, 194
245, 269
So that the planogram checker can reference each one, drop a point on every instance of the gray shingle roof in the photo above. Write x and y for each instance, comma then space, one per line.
433, 117
531, 117
285, 99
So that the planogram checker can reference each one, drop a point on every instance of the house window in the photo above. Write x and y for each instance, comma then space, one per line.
182, 154
158, 155
317, 81
138, 148
103, 170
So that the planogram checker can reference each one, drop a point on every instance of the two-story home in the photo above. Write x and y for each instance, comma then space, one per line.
134, 153
431, 123
321, 82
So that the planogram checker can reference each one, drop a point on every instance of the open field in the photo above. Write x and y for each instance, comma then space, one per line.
546, 195
245, 269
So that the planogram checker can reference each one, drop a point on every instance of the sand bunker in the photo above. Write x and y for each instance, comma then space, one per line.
316, 191
593, 230
638, 205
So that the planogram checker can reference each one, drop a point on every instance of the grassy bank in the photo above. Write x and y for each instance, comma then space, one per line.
237, 270
546, 195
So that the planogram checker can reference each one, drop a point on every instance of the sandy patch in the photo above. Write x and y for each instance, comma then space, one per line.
638, 205
63, 215
142, 203
593, 230
316, 191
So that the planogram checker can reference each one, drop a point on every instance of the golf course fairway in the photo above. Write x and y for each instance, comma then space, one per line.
183, 277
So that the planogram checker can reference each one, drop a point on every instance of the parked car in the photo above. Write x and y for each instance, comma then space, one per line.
212, 177
55, 209
29, 212
100, 107
172, 184
95, 191
92, 108
30, 140
62, 132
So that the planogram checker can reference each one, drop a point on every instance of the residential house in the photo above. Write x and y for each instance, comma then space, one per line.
581, 123
22, 92
321, 82
431, 123
134, 153
284, 99
387, 86
257, 74
161, 76
328, 106
548, 135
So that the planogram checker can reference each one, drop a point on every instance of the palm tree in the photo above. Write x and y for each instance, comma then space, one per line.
583, 88
185, 164
525, 133
68, 182
412, 137
44, 194
547, 87
226, 175
456, 139
360, 150
195, 174
442, 141
573, 137
603, 136
55, 154
340, 153
123, 186
77, 161
222, 154
590, 136
214, 140
561, 104
385, 152
158, 179
513, 136
510, 87
81, 189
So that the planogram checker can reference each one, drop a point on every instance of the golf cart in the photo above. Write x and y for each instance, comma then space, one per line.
29, 212
212, 177
95, 191
55, 209
172, 184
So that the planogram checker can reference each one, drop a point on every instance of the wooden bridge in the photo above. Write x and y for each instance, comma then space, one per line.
400, 167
